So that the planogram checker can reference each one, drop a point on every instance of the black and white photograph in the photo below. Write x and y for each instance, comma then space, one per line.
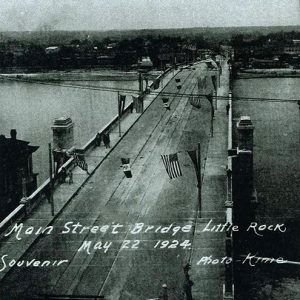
150, 149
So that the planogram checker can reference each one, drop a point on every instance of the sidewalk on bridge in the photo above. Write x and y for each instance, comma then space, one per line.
65, 192
209, 278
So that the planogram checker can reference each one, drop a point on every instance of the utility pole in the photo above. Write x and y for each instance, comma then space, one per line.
51, 180
210, 99
199, 178
119, 114
195, 156
212, 121
140, 82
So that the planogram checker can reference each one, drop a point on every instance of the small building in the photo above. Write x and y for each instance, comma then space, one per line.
293, 49
17, 178
106, 60
265, 63
52, 50
145, 63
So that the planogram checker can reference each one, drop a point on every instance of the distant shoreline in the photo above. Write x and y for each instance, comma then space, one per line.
76, 75
73, 75
268, 73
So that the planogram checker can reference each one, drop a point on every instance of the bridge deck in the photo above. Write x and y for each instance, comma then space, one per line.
149, 197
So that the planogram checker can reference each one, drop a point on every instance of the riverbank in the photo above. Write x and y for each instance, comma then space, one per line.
267, 73
77, 75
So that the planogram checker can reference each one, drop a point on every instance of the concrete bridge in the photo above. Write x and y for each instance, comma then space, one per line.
130, 238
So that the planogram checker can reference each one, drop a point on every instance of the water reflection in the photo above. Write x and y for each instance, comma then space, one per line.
31, 109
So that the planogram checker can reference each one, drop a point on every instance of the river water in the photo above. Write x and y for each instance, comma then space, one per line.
31, 108
277, 182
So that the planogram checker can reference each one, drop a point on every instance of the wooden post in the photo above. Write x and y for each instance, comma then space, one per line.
119, 114
51, 180
199, 178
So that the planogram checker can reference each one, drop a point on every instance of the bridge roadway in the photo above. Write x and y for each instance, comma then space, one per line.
108, 197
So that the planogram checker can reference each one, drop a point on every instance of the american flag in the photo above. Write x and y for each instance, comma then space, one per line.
122, 99
178, 83
205, 85
195, 101
156, 84
80, 161
126, 167
166, 103
171, 164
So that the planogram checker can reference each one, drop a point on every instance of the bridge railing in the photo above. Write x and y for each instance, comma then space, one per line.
66, 297
42, 192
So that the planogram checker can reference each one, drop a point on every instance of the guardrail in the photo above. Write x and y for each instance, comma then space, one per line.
42, 192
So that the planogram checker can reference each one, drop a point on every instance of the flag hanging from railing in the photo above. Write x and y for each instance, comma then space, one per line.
166, 103
126, 167
156, 84
171, 164
178, 83
195, 101
122, 99
135, 99
210, 97
80, 161
193, 155
214, 82
138, 103
205, 85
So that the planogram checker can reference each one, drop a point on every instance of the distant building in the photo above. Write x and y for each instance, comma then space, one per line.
145, 63
296, 42
172, 58
16, 173
106, 60
111, 46
52, 50
293, 49
204, 53
265, 63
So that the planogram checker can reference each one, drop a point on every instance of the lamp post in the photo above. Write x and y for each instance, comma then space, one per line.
119, 113
51, 180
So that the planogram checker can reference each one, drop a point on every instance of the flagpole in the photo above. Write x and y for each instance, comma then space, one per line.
212, 118
212, 122
51, 180
119, 112
199, 178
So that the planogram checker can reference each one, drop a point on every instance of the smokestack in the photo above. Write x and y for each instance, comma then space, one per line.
13, 134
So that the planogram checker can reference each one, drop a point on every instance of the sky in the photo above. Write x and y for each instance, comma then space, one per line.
21, 15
